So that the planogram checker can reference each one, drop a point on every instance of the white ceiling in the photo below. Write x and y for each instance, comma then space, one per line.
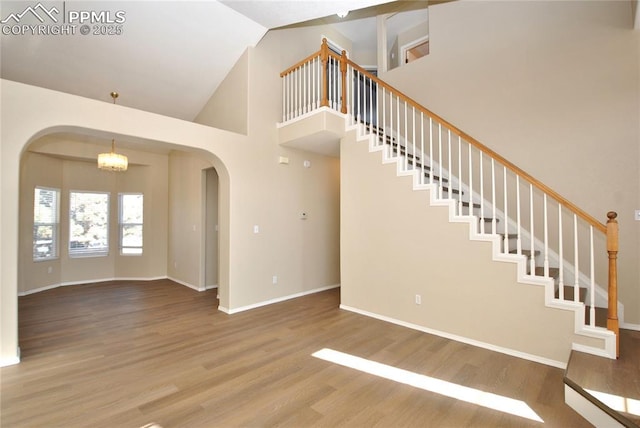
170, 57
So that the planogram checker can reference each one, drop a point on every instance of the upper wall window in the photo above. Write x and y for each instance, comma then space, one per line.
46, 223
130, 220
88, 224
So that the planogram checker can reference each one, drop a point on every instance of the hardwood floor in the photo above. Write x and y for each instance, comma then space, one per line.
620, 379
128, 354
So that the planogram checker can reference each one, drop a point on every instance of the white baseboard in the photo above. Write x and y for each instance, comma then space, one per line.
9, 361
186, 284
488, 346
629, 326
276, 300
86, 281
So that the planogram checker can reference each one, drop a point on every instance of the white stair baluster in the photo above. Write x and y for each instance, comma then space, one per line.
377, 122
370, 105
471, 180
385, 152
560, 255
359, 114
305, 88
430, 150
493, 196
532, 259
312, 84
546, 238
440, 159
459, 175
481, 193
576, 285
330, 83
398, 125
506, 210
392, 140
449, 164
519, 239
406, 140
413, 128
421, 148
592, 288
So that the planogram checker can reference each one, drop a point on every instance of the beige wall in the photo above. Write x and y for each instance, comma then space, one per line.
553, 87
228, 108
395, 245
44, 166
186, 219
303, 254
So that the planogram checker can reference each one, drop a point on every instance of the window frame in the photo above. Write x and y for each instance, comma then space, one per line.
122, 225
55, 232
102, 252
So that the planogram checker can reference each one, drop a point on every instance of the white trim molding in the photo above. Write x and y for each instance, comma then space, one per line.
89, 281
276, 300
472, 342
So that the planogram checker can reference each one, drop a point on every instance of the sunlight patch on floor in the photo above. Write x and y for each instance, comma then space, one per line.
448, 389
615, 402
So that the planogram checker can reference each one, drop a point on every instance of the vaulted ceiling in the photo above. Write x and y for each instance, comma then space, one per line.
166, 57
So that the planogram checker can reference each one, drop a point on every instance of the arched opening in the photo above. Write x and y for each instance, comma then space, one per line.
181, 224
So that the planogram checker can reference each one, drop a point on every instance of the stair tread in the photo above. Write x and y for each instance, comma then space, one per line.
569, 293
601, 316
553, 272
466, 204
525, 252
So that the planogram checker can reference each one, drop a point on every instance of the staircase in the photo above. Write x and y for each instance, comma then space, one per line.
553, 243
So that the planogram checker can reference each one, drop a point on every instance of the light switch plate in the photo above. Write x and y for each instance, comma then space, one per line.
637, 217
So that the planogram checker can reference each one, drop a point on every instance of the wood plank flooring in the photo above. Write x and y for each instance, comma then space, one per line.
620, 378
125, 354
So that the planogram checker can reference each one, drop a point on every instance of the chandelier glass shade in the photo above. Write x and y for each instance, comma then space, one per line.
113, 161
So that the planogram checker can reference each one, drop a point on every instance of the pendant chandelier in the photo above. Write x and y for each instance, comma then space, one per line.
113, 161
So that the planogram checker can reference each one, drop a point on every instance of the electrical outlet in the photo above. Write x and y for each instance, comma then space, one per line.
637, 217
274, 280
418, 299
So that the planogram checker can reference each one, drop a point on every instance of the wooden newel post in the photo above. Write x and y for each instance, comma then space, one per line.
343, 72
612, 249
324, 57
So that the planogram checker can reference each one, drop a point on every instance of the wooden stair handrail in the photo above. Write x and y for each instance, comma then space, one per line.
543, 187
300, 63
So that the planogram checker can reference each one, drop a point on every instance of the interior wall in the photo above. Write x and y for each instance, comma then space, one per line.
211, 228
555, 88
43, 166
463, 291
299, 255
187, 225
228, 108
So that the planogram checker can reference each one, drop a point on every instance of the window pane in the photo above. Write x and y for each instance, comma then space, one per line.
131, 209
44, 242
132, 235
88, 223
45, 223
